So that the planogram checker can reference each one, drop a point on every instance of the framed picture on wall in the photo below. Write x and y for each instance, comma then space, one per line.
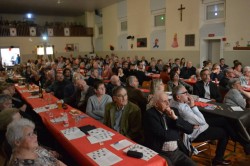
142, 42
70, 47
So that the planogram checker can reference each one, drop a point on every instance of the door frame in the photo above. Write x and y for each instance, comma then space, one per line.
204, 42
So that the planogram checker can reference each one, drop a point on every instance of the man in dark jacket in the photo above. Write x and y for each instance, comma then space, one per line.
57, 87
134, 94
162, 131
206, 88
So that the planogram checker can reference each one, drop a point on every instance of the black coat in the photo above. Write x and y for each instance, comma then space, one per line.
155, 133
199, 90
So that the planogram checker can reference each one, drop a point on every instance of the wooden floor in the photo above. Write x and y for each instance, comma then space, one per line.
238, 158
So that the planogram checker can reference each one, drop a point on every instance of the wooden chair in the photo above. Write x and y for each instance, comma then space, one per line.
200, 148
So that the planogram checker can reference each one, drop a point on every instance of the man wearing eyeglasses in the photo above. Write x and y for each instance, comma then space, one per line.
123, 116
202, 131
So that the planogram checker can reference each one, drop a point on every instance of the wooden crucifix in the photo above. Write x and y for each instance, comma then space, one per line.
181, 8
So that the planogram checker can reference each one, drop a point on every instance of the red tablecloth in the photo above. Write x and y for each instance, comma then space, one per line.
190, 81
145, 90
154, 76
79, 148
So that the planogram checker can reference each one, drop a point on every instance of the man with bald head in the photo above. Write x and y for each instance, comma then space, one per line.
114, 82
162, 128
188, 71
82, 94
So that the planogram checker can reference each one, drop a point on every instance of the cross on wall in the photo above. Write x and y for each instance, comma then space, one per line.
181, 9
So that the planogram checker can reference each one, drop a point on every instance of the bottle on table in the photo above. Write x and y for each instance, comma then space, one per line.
40, 90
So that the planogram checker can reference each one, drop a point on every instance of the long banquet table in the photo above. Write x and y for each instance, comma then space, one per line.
79, 148
241, 119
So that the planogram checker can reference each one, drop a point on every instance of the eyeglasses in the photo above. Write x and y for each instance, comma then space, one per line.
182, 93
122, 96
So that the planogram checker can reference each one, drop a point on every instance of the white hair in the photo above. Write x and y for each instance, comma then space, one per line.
157, 97
246, 69
15, 130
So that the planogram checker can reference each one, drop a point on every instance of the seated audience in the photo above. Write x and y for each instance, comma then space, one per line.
5, 101
228, 74
162, 131
93, 77
57, 87
222, 64
206, 88
236, 96
134, 94
197, 74
188, 71
70, 89
123, 116
49, 79
80, 97
153, 68
176, 63
208, 128
155, 86
121, 75
237, 69
245, 78
6, 117
114, 82
182, 63
25, 149
216, 74
175, 81
96, 103
164, 74
67, 74
107, 72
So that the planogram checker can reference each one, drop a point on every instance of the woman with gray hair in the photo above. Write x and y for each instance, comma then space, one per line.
236, 96
25, 149
245, 78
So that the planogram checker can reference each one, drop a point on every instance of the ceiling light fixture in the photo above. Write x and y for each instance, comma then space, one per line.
59, 2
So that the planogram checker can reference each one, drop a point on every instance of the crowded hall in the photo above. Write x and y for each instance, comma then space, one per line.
124, 83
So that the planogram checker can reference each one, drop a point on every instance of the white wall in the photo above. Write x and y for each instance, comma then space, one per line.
28, 45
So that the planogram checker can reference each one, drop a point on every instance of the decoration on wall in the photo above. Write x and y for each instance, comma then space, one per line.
69, 47
131, 46
175, 42
50, 32
181, 9
237, 44
142, 42
111, 48
130, 37
66, 32
13, 32
156, 43
32, 31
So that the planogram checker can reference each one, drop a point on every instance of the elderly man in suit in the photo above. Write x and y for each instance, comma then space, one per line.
123, 116
162, 131
134, 94
205, 88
